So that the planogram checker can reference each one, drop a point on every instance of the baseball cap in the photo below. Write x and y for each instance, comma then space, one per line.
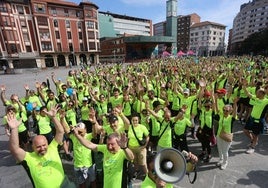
221, 91
85, 99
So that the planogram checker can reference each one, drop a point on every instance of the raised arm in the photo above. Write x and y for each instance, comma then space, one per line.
84, 141
14, 147
58, 126
3, 94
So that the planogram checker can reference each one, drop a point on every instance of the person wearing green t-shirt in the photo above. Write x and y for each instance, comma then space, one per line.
254, 125
84, 169
44, 163
152, 180
136, 133
114, 153
180, 131
23, 132
226, 122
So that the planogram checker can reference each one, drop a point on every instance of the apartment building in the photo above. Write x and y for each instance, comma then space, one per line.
207, 38
183, 33
47, 33
252, 17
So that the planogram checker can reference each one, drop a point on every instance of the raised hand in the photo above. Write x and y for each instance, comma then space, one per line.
122, 141
3, 88
53, 111
12, 120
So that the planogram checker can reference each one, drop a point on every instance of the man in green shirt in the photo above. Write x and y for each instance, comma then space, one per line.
114, 153
44, 163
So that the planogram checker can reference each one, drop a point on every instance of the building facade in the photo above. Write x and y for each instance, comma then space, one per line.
47, 33
252, 18
183, 34
207, 39
123, 24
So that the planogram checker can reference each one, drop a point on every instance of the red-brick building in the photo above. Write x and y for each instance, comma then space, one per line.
47, 33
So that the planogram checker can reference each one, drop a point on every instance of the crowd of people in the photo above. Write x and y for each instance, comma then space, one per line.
127, 112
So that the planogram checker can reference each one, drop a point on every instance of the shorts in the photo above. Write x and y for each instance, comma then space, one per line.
23, 137
254, 125
139, 155
82, 173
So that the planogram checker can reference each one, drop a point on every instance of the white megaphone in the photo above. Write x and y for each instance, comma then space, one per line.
170, 165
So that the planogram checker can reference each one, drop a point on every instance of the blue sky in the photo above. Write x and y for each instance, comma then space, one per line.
220, 11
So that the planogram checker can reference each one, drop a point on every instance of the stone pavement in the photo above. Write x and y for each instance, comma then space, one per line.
244, 170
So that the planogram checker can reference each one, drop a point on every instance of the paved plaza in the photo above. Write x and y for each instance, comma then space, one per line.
244, 170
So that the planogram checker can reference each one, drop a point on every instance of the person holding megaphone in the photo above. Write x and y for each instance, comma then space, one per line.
155, 177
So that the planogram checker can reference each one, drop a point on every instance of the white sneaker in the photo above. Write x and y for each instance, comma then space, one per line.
223, 166
219, 163
250, 150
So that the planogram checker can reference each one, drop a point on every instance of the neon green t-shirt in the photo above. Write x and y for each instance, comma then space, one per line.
258, 106
112, 167
71, 116
116, 101
149, 183
43, 124
140, 130
181, 125
82, 155
47, 170
21, 127
225, 123
84, 112
166, 139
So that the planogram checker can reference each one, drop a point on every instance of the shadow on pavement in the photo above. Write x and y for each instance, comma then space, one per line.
255, 177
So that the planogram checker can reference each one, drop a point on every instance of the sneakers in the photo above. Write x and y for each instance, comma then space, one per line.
219, 163
223, 166
250, 150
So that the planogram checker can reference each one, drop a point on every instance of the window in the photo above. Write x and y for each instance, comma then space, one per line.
46, 46
90, 25
59, 47
57, 34
66, 12
67, 23
3, 7
22, 23
28, 49
40, 8
91, 35
56, 24
71, 47
81, 47
6, 21
80, 35
13, 48
20, 9
53, 11
78, 13
69, 35
79, 25
42, 21
26, 37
